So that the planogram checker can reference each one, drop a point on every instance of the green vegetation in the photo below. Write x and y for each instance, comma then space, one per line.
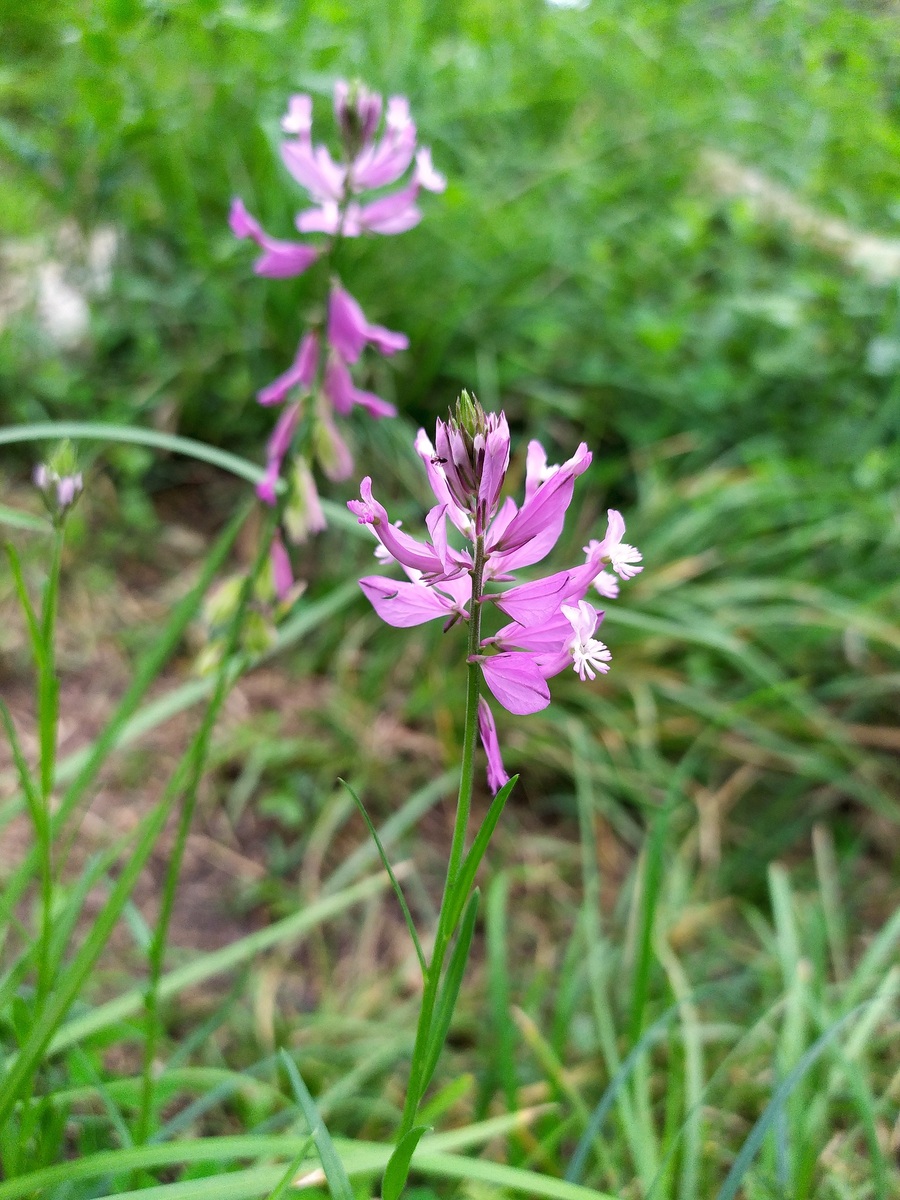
686, 964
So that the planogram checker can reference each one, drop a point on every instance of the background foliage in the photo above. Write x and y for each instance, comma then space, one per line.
738, 381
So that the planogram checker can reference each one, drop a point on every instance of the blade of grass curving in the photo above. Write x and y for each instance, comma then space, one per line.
84, 767
396, 1172
17, 519
362, 1158
155, 438
217, 962
648, 881
398, 891
394, 827
447, 998
747, 1153
31, 620
332, 1164
466, 877
19, 1069
594, 1127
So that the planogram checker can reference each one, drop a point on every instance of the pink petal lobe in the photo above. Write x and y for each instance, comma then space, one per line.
516, 682
496, 772
403, 604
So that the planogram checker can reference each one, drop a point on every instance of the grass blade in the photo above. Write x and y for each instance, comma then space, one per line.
398, 891
335, 1173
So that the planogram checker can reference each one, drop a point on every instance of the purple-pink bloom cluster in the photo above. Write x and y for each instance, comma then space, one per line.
550, 622
369, 163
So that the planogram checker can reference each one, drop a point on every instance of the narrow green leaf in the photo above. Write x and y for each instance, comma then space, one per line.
17, 519
216, 962
462, 885
25, 778
398, 891
396, 1172
450, 991
34, 629
287, 1179
773, 1109
335, 1172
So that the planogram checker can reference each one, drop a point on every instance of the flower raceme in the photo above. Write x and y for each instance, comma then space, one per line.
320, 378
550, 623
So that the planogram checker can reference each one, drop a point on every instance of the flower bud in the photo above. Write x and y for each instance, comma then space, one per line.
472, 448
357, 111
59, 480
303, 514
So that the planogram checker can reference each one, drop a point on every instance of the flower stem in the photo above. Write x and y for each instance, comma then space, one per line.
48, 720
446, 926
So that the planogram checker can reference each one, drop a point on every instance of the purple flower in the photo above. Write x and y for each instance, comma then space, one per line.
621, 557
60, 490
301, 372
552, 625
280, 563
278, 446
279, 260
349, 331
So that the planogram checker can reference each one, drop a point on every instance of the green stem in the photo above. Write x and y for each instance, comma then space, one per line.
157, 948
449, 902
48, 720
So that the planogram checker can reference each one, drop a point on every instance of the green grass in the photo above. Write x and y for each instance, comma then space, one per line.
687, 944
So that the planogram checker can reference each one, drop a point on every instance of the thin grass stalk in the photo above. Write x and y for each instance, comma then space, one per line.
48, 721
199, 753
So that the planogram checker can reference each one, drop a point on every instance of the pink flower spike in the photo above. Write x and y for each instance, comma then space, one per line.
301, 372
282, 575
516, 682
496, 772
349, 331
280, 259
403, 604
425, 174
589, 655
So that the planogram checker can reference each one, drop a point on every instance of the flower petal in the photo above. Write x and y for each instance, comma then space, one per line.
496, 772
404, 604
516, 682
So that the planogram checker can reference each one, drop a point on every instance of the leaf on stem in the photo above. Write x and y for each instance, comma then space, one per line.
396, 1172
398, 891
